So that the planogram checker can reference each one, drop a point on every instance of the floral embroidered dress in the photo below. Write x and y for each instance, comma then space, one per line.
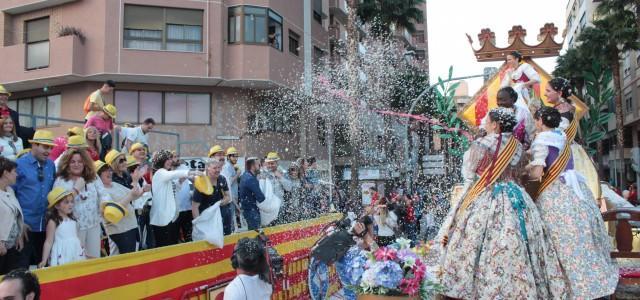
497, 248
574, 224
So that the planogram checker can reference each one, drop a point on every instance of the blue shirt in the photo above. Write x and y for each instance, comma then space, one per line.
32, 189
249, 192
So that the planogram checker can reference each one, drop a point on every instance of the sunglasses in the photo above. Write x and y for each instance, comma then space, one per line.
40, 173
122, 160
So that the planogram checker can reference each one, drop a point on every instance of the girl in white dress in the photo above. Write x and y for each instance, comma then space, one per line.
62, 244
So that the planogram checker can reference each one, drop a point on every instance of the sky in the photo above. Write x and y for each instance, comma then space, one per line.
449, 20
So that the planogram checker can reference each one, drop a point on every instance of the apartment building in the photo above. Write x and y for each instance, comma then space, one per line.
581, 13
196, 67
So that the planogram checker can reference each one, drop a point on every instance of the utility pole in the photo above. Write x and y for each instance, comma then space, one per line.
353, 92
307, 74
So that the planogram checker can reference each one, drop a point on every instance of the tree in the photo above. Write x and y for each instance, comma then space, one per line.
381, 14
619, 5
571, 66
615, 33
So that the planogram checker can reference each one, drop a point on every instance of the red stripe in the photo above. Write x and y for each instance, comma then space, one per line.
84, 285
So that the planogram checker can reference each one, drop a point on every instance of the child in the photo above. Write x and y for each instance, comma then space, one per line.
62, 243
387, 222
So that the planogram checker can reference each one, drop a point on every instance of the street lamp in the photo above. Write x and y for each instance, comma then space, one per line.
415, 101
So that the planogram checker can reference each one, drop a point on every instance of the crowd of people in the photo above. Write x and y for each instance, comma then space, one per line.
77, 197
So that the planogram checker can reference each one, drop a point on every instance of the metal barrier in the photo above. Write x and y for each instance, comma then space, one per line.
34, 120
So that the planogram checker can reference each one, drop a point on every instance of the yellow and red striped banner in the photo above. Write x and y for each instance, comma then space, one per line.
170, 272
485, 99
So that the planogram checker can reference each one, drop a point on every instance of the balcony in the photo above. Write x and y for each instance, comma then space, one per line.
403, 35
339, 9
66, 60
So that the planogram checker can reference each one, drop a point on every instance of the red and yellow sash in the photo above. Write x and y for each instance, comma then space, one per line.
560, 164
491, 174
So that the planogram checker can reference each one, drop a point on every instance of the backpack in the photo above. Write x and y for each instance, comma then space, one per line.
333, 244
87, 105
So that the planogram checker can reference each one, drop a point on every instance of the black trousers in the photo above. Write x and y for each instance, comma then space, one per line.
9, 261
126, 241
184, 224
31, 254
166, 235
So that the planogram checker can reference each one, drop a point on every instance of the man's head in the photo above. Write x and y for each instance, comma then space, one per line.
148, 125
4, 96
507, 97
232, 155
107, 87
214, 167
249, 256
251, 165
41, 145
272, 161
19, 284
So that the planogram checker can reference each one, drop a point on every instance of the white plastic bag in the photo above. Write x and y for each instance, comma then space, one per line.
270, 207
208, 226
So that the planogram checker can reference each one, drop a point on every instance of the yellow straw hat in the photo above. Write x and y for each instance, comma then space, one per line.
272, 156
215, 149
43, 137
203, 185
77, 141
57, 194
135, 147
231, 151
112, 155
4, 91
113, 212
76, 130
111, 110
132, 161
98, 165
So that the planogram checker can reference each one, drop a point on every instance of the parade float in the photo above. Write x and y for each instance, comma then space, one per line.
485, 99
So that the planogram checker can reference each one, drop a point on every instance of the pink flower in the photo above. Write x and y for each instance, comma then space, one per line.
419, 270
385, 254
410, 286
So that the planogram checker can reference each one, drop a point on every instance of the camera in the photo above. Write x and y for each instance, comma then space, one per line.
265, 261
275, 261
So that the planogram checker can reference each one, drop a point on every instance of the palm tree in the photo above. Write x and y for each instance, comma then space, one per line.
571, 65
383, 13
614, 33
617, 5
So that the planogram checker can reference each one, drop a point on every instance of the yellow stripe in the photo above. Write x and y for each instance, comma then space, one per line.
174, 280
78, 269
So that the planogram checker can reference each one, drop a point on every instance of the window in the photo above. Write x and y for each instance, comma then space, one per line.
583, 20
165, 108
158, 28
270, 121
341, 140
294, 43
255, 25
49, 106
275, 30
628, 103
317, 11
317, 54
37, 39
418, 37
321, 128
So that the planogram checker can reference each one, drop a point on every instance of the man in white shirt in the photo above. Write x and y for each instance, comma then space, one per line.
137, 134
249, 261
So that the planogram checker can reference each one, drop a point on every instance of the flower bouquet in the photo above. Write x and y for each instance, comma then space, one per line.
397, 272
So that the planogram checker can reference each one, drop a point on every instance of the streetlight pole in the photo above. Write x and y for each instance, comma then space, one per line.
407, 144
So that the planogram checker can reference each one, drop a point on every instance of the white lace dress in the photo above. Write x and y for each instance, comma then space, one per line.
66, 245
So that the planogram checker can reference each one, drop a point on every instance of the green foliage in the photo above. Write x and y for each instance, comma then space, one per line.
411, 83
445, 111
382, 13
593, 126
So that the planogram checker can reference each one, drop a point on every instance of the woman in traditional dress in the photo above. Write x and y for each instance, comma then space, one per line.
572, 218
558, 92
524, 129
494, 245
522, 77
